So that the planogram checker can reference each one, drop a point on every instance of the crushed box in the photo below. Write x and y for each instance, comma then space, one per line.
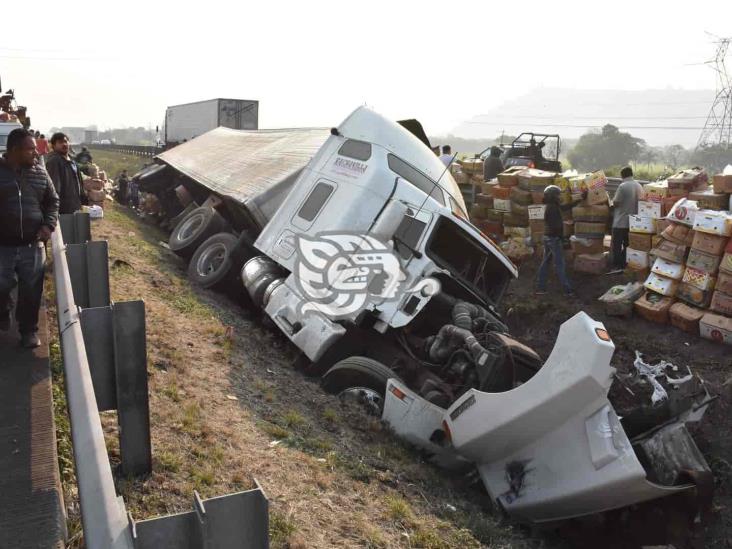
685, 317
653, 307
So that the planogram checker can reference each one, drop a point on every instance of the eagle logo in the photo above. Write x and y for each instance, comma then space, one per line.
340, 274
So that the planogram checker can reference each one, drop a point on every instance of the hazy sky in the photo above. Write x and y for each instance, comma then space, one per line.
310, 63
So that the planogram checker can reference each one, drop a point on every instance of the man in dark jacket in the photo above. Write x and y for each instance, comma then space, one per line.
28, 215
492, 165
553, 235
65, 175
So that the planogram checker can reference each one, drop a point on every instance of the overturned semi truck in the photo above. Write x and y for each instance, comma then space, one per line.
355, 242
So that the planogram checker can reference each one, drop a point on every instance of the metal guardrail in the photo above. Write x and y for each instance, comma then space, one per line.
136, 150
103, 514
112, 374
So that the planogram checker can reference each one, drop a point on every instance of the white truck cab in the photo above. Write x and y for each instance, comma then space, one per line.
5, 129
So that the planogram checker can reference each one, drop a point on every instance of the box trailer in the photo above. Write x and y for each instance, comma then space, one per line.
184, 122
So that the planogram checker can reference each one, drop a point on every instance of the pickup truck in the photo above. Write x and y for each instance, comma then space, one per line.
355, 242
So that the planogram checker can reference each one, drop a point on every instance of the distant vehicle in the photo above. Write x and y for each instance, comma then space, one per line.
184, 122
105, 142
5, 129
533, 150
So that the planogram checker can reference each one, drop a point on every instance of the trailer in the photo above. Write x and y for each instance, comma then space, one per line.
184, 122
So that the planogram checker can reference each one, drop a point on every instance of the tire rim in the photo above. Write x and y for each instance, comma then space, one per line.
190, 226
211, 260
372, 401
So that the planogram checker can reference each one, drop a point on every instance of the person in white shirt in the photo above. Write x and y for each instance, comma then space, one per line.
446, 156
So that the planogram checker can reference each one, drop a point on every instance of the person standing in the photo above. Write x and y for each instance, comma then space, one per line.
65, 175
28, 215
492, 165
625, 204
134, 193
446, 156
42, 148
553, 236
122, 184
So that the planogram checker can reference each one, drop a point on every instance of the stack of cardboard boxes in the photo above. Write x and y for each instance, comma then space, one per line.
96, 185
588, 222
691, 263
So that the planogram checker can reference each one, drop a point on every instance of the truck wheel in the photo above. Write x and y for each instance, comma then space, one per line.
193, 229
359, 379
211, 263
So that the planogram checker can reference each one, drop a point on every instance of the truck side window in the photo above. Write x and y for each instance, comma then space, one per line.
315, 202
360, 150
416, 178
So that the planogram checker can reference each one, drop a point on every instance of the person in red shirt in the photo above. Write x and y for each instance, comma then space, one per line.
42, 148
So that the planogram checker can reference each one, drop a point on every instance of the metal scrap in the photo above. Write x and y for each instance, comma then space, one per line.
653, 371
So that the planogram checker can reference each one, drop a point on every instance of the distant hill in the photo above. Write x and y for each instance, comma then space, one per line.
661, 117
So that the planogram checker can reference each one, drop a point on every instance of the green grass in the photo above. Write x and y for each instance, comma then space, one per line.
114, 162
280, 528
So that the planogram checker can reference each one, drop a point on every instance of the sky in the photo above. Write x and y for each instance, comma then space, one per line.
117, 64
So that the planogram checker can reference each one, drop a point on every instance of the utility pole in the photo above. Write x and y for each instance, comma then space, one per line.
717, 130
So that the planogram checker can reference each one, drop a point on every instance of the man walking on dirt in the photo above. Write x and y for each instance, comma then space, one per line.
625, 204
65, 175
28, 215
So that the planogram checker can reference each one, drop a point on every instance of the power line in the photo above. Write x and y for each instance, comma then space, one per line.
582, 126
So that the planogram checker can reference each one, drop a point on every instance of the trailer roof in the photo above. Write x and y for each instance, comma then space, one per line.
213, 99
241, 164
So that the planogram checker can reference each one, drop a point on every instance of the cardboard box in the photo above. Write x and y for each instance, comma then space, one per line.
703, 261
512, 219
592, 214
656, 191
724, 282
637, 258
695, 296
710, 243
535, 180
667, 204
678, 193
655, 240
501, 193
490, 228
581, 245
537, 197
494, 216
713, 222
591, 263
502, 205
636, 275
699, 278
477, 179
536, 212
661, 285
597, 196
721, 303
583, 228
640, 224
472, 166
684, 212
509, 177
668, 269
640, 241
661, 225
520, 209
716, 327
689, 180
654, 307
484, 199
722, 183
676, 232
671, 251
596, 180
648, 208
726, 264
685, 317
520, 196
710, 200
520, 232
487, 188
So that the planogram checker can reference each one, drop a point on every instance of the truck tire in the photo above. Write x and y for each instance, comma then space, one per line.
361, 379
193, 229
212, 261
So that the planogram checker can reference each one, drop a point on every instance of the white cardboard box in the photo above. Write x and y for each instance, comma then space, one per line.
661, 285
641, 224
536, 211
637, 258
502, 205
713, 222
684, 211
668, 269
647, 208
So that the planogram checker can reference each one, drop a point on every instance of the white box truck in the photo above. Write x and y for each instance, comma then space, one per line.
184, 122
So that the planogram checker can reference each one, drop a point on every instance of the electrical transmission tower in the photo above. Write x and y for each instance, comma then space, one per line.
718, 127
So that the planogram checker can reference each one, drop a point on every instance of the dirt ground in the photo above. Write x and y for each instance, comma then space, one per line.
227, 406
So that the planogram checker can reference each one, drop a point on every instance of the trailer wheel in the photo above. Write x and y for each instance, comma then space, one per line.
359, 379
212, 261
193, 229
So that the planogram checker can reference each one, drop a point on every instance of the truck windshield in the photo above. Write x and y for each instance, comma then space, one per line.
468, 260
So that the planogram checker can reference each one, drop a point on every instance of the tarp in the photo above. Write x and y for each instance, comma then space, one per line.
244, 164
